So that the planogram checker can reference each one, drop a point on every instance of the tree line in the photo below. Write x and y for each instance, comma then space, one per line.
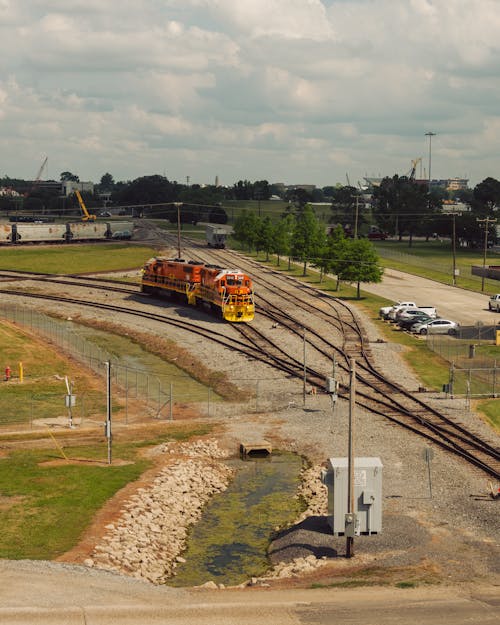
303, 238
400, 205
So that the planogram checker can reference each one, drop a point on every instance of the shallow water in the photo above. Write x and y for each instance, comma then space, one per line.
229, 544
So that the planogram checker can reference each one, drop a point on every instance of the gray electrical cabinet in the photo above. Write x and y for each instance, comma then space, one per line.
367, 494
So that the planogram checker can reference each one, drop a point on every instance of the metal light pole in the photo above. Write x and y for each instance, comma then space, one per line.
486, 223
454, 247
430, 135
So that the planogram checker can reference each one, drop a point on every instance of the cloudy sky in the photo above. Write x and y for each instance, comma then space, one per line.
296, 91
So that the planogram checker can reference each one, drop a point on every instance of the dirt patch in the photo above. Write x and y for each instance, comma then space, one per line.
9, 502
79, 461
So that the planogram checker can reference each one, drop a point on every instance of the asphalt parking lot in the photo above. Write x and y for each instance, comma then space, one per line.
465, 307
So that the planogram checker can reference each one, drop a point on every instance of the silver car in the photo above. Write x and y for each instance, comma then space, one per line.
436, 326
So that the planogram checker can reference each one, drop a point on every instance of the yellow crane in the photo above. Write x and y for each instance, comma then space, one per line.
414, 168
86, 215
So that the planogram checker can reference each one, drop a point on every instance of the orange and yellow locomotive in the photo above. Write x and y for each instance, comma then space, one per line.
229, 291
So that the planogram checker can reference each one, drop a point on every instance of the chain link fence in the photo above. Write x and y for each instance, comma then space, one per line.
138, 394
446, 268
473, 373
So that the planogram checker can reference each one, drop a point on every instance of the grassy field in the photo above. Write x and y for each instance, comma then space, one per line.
46, 502
41, 394
434, 259
66, 259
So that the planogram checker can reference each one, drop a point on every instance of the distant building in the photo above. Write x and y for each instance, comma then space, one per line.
450, 184
283, 188
458, 184
8, 192
69, 186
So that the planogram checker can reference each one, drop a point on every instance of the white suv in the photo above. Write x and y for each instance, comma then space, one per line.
494, 303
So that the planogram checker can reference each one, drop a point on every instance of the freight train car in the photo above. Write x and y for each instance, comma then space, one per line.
19, 233
227, 291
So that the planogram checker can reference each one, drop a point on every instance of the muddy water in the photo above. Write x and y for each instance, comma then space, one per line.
229, 545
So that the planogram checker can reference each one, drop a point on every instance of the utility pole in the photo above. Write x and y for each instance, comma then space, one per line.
107, 428
486, 221
351, 516
356, 216
454, 248
305, 368
178, 205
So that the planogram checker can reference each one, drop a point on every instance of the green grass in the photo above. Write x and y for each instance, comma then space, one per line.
41, 394
66, 259
491, 410
45, 509
434, 260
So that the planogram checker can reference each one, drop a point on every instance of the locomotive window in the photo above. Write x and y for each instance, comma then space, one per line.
222, 283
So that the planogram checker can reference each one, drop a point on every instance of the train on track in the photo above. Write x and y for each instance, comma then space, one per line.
70, 232
229, 292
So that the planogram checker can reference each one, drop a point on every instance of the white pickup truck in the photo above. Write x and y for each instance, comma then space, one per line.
494, 303
390, 312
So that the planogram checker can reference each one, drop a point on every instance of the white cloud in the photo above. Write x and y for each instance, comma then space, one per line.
281, 89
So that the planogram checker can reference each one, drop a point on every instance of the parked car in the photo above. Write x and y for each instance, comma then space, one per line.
494, 303
104, 214
421, 317
385, 310
436, 326
410, 313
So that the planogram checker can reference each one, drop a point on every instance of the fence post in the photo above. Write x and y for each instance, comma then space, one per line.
495, 378
171, 400
126, 395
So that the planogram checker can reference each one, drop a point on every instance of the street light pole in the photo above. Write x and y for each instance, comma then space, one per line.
454, 248
486, 223
430, 135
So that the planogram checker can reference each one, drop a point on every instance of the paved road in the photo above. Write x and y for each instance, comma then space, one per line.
54, 594
451, 302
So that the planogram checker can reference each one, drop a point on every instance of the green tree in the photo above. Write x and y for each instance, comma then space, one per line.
308, 237
154, 189
67, 175
107, 182
344, 206
334, 253
265, 236
283, 231
402, 206
361, 263
246, 229
486, 197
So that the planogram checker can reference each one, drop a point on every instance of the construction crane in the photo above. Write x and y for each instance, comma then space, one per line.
37, 179
413, 170
86, 215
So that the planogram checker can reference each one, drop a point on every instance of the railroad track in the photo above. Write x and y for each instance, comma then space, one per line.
375, 392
